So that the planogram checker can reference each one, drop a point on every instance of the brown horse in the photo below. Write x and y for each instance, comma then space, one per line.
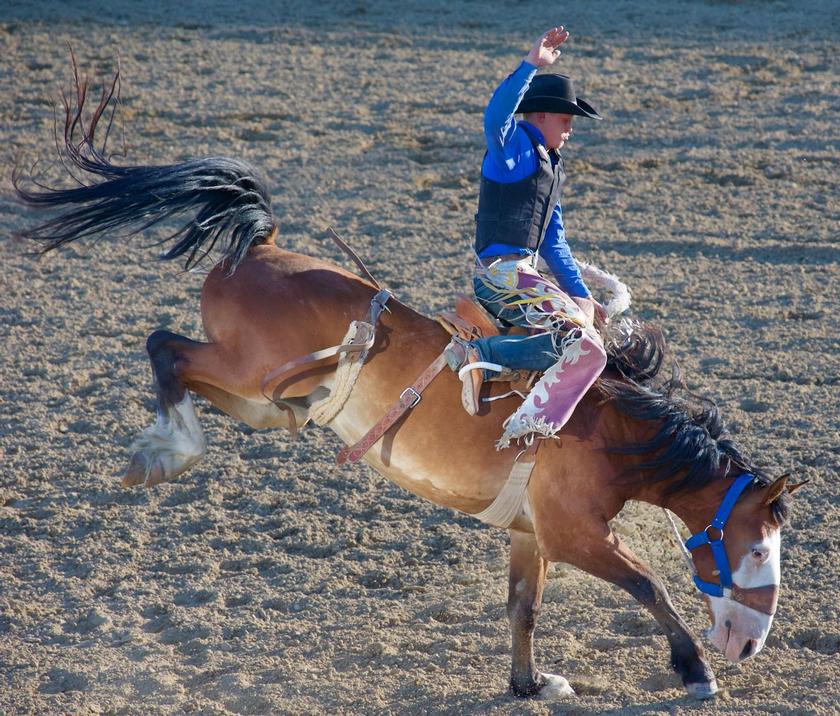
263, 306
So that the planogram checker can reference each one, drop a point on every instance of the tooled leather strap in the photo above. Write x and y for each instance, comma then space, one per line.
408, 399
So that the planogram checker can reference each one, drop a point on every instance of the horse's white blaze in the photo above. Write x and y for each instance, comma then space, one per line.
734, 624
751, 573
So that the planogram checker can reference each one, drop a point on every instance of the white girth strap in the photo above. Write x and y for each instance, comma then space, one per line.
511, 500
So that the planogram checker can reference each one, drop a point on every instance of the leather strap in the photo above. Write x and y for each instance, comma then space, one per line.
292, 367
298, 365
762, 599
465, 329
353, 255
408, 399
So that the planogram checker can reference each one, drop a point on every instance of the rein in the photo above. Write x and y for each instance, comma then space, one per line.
762, 599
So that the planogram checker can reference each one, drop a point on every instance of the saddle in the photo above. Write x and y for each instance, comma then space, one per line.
469, 321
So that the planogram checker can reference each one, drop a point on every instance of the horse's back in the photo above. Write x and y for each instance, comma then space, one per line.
274, 290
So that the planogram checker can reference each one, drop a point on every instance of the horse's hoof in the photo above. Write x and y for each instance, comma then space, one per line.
702, 690
137, 470
143, 470
556, 687
157, 473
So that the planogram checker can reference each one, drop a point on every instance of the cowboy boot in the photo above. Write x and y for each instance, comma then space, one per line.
458, 354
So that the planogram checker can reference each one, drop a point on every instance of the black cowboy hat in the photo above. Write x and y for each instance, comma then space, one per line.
555, 93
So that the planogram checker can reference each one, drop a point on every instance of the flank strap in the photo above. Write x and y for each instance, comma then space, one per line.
409, 398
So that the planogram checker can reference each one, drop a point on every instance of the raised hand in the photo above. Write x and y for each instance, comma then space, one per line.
545, 50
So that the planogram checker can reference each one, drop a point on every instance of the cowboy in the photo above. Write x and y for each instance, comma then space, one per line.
519, 225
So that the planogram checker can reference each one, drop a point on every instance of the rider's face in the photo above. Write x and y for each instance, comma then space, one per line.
558, 129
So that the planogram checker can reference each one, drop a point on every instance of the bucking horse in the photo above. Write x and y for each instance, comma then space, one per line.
634, 436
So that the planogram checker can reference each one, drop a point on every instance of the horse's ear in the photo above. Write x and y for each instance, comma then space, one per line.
776, 489
796, 485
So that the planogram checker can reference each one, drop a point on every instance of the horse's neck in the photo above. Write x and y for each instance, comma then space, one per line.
694, 507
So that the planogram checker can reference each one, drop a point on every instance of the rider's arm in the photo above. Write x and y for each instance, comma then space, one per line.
555, 251
510, 153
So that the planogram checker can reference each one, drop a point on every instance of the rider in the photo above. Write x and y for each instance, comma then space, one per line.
519, 222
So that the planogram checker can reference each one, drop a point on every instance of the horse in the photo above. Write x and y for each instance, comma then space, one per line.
633, 437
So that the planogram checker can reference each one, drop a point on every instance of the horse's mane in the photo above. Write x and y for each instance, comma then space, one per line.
692, 447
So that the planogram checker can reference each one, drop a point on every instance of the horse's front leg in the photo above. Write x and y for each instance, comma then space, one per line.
525, 589
606, 556
176, 441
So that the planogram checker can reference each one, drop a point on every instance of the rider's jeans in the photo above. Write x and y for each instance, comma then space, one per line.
534, 352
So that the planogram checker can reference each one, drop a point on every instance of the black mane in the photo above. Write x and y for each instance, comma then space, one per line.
692, 447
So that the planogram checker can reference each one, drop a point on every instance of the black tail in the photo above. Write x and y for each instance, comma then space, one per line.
228, 203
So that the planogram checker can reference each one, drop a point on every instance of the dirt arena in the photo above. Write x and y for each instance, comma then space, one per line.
269, 581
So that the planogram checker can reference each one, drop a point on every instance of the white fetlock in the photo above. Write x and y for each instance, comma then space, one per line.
556, 687
166, 449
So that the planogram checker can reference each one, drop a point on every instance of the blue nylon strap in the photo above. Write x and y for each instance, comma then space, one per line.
730, 499
722, 562
710, 588
716, 545
697, 540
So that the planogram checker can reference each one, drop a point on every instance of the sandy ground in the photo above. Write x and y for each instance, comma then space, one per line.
270, 581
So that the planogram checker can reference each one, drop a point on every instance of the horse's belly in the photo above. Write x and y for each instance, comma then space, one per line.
447, 479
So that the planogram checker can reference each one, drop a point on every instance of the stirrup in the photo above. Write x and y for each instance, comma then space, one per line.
471, 380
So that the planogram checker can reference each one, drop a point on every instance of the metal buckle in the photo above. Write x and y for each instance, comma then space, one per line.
709, 537
417, 396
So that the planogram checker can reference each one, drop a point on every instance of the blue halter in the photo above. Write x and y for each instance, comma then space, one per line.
716, 545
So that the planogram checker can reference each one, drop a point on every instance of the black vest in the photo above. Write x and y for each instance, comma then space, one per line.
517, 214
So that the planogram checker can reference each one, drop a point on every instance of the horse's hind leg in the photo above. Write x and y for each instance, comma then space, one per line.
176, 441
217, 371
527, 579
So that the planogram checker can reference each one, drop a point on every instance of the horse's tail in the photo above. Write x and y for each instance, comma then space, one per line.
227, 203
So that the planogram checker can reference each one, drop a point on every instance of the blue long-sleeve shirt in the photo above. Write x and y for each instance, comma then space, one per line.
510, 157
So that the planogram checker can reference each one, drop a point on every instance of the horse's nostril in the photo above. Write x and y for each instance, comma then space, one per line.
748, 649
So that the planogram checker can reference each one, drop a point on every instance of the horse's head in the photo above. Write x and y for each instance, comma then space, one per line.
742, 605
